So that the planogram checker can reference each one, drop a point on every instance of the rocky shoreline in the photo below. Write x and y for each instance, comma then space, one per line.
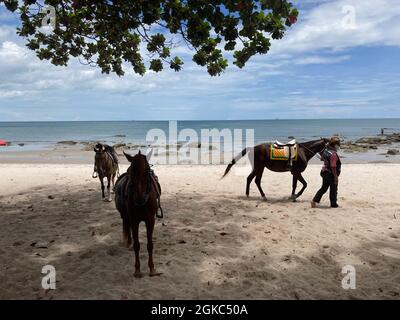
366, 144
120, 146
387, 145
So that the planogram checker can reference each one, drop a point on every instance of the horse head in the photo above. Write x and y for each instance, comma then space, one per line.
319, 145
139, 176
99, 158
311, 148
99, 148
326, 140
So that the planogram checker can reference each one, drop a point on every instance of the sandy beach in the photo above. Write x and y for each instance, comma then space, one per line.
213, 242
218, 93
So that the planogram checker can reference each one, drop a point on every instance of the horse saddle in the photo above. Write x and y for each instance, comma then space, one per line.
122, 186
284, 151
112, 153
291, 143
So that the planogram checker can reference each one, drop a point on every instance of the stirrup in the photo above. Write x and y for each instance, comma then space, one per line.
161, 214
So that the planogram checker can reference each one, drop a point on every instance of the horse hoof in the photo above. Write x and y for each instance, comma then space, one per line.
138, 274
264, 198
154, 273
313, 205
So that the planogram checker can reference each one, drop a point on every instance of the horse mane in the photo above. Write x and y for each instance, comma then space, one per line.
307, 143
147, 165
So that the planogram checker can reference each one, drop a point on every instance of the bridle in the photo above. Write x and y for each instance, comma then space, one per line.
98, 170
148, 188
151, 184
312, 152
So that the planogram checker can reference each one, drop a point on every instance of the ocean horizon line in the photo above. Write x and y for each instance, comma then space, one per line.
198, 120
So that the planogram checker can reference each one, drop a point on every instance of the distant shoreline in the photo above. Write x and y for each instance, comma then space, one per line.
368, 150
195, 120
72, 142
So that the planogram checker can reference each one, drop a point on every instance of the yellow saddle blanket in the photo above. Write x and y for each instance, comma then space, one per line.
282, 153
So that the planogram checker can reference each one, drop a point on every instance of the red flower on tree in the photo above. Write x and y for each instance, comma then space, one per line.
292, 19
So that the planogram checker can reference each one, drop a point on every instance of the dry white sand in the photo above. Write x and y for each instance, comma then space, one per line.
213, 242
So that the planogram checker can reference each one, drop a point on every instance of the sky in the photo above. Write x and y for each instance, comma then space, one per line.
340, 60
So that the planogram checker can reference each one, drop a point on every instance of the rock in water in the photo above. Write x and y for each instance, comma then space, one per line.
372, 140
119, 145
393, 152
69, 143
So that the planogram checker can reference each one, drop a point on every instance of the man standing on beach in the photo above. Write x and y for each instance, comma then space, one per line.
330, 173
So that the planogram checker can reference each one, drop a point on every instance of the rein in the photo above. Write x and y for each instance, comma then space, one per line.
149, 184
147, 194
312, 152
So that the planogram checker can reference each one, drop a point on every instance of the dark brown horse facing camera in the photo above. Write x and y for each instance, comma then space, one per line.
260, 157
105, 166
136, 198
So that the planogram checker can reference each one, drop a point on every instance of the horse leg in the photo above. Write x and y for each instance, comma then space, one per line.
149, 230
102, 188
301, 179
113, 183
249, 180
258, 182
109, 189
136, 248
126, 233
294, 187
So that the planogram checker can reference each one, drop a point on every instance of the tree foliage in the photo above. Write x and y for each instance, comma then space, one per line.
144, 33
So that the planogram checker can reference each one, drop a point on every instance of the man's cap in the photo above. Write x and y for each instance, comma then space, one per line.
334, 140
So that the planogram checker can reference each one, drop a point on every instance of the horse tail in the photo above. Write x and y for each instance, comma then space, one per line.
234, 160
126, 232
120, 202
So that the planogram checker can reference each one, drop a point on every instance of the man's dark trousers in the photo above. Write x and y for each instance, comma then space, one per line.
328, 182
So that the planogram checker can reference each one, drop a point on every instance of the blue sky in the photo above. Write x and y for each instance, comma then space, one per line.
339, 61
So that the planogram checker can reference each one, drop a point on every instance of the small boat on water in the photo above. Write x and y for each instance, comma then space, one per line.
3, 143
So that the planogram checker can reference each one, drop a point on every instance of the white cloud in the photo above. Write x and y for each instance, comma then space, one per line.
322, 59
11, 94
318, 38
377, 22
10, 52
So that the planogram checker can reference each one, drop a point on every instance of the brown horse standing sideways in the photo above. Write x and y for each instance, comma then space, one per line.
262, 158
106, 167
136, 197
